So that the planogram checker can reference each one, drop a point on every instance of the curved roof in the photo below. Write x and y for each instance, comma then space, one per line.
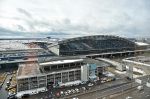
93, 44
100, 37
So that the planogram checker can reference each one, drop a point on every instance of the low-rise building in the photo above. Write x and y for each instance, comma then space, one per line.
56, 73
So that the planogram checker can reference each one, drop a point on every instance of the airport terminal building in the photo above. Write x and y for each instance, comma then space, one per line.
60, 72
71, 61
92, 45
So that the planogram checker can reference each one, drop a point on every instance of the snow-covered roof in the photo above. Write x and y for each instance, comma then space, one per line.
141, 44
4, 46
12, 45
28, 69
61, 62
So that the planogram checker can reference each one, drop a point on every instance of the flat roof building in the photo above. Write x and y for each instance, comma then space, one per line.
57, 73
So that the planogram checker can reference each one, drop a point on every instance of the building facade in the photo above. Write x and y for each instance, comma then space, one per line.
57, 74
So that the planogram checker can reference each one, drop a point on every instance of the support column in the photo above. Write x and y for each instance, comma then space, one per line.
68, 77
29, 84
130, 71
61, 77
84, 73
54, 79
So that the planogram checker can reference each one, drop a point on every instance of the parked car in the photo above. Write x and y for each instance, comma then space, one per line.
25, 95
8, 83
128, 97
25, 58
90, 84
6, 88
58, 94
83, 88
61, 93
75, 98
12, 97
140, 88
83, 82
128, 78
66, 93
77, 90
73, 91
69, 91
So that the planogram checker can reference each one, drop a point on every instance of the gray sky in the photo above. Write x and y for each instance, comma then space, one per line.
41, 18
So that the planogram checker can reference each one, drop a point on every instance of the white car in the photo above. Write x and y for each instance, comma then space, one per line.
128, 97
73, 91
140, 88
69, 91
90, 84
77, 90
66, 93
61, 92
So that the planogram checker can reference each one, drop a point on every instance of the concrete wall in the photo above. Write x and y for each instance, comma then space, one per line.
84, 73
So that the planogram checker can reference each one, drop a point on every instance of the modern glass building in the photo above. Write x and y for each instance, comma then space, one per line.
92, 45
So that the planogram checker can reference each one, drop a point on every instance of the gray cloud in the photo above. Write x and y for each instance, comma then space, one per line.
122, 17
23, 11
8, 33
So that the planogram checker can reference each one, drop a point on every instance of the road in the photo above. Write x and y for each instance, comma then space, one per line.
135, 94
104, 92
100, 94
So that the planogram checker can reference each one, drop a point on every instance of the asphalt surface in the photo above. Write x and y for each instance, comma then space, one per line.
105, 92
135, 94
123, 92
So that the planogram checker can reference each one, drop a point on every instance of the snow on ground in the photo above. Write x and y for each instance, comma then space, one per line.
120, 72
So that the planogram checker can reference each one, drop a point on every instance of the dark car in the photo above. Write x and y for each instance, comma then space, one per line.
12, 97
9, 59
128, 78
26, 96
25, 58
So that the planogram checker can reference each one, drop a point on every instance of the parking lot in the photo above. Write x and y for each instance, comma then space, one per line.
2, 78
106, 80
8, 87
11, 86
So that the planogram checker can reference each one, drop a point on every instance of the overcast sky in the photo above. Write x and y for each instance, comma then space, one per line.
42, 18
